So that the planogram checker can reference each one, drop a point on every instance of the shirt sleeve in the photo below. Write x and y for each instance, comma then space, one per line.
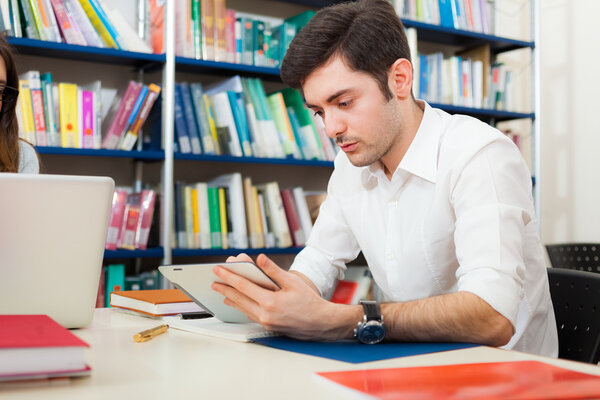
331, 243
28, 159
493, 206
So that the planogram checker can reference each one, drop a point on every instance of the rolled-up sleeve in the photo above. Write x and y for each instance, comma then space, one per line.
492, 204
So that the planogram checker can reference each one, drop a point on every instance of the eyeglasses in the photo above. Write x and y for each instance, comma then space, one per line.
8, 94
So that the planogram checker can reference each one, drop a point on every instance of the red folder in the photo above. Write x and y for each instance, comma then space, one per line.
499, 380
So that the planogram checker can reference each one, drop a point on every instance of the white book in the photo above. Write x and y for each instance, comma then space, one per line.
203, 215
276, 214
224, 119
233, 182
74, 9
477, 71
52, 32
267, 230
239, 332
129, 36
274, 148
303, 211
189, 217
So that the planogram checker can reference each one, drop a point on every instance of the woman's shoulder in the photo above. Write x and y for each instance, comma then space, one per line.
28, 159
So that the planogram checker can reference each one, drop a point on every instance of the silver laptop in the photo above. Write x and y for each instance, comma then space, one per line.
52, 236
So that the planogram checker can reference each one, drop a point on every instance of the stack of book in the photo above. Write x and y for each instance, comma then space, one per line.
236, 117
69, 115
80, 22
230, 212
113, 278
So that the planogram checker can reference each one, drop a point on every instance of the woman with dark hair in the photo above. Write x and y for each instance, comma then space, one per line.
16, 155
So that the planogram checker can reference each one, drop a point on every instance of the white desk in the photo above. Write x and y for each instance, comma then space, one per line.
178, 365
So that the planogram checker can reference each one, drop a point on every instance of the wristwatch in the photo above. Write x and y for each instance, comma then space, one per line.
371, 329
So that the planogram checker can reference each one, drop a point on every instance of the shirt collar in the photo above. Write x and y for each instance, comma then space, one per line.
421, 158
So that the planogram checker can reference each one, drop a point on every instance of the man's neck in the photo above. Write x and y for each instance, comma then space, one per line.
411, 123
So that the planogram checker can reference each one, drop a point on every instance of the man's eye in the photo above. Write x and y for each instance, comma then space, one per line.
345, 103
318, 113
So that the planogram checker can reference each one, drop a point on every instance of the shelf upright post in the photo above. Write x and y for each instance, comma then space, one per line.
168, 97
536, 101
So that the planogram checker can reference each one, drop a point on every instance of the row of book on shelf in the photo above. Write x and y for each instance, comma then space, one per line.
65, 114
204, 29
208, 30
236, 117
469, 78
465, 81
81, 22
230, 212
468, 15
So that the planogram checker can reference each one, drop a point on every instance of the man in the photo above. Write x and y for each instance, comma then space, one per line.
440, 206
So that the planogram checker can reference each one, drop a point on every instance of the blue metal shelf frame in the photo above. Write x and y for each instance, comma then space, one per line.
252, 160
483, 113
229, 252
34, 47
147, 155
456, 37
155, 252
222, 68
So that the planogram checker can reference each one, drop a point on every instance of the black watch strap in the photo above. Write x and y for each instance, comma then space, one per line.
371, 309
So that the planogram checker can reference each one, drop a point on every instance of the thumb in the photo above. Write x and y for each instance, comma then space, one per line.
273, 270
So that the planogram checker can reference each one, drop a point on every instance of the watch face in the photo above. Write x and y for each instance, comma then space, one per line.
371, 332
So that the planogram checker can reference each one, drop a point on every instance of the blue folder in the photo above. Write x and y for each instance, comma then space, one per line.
354, 352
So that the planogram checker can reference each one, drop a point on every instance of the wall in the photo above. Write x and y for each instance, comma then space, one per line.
570, 55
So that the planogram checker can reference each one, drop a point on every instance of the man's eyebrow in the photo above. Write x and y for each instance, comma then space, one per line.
332, 97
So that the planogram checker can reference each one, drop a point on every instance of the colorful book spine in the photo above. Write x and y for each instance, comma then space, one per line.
220, 31
223, 215
28, 128
207, 16
67, 105
216, 237
69, 29
101, 23
183, 136
130, 222
115, 280
196, 29
37, 101
87, 118
80, 19
190, 120
134, 112
200, 111
230, 38
49, 106
145, 221
116, 219
119, 114
133, 132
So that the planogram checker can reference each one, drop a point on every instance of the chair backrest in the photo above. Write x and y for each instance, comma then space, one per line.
576, 299
580, 256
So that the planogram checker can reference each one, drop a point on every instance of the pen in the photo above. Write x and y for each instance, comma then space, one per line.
150, 333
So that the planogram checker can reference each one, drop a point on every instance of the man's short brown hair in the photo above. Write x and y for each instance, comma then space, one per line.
367, 35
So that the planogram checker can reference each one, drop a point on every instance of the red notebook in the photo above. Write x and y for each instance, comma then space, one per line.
516, 380
35, 346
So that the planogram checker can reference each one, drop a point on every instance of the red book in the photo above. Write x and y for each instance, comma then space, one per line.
35, 346
515, 380
145, 220
130, 222
344, 292
116, 219
293, 219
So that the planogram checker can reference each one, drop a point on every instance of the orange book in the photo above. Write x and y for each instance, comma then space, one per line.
497, 380
155, 302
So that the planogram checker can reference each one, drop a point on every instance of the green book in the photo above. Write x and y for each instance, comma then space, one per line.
258, 40
214, 214
293, 99
300, 20
115, 280
196, 29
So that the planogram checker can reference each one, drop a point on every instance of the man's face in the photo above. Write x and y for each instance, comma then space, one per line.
355, 112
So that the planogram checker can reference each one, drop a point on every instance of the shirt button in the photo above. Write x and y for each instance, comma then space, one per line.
390, 256
393, 203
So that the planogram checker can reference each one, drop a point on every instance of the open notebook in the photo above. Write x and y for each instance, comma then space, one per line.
241, 332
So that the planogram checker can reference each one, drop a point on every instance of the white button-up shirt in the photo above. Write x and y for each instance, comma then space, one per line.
457, 215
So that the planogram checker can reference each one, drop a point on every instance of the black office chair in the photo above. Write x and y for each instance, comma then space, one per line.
576, 299
580, 256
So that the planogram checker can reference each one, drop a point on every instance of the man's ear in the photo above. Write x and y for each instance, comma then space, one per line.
400, 78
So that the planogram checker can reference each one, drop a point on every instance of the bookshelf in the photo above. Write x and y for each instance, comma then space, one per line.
167, 68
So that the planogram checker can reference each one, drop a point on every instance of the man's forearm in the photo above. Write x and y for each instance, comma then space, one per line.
457, 317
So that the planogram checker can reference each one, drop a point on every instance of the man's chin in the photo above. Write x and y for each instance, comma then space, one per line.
358, 161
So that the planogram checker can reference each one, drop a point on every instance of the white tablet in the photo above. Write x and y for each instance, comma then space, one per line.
195, 281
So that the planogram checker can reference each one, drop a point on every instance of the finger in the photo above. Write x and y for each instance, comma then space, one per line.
241, 284
271, 269
236, 299
240, 258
